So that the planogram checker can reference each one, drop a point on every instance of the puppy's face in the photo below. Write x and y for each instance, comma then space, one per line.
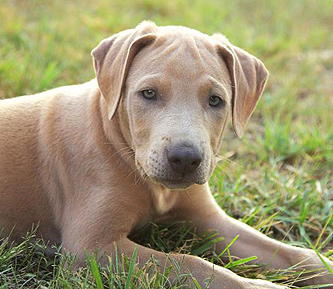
177, 98
175, 87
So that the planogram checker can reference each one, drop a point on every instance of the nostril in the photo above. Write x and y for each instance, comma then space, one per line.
175, 160
196, 163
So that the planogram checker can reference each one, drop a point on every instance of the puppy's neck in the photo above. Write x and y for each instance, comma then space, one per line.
163, 198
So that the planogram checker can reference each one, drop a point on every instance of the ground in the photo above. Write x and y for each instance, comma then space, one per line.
278, 178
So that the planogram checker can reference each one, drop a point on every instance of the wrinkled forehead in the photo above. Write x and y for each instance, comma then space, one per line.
180, 53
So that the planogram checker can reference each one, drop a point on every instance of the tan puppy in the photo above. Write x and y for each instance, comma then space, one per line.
90, 163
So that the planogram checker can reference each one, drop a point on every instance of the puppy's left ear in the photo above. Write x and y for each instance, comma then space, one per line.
113, 58
248, 77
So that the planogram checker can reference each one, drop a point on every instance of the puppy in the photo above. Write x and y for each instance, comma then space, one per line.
91, 163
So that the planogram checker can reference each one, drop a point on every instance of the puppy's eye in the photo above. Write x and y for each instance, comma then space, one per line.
216, 101
149, 93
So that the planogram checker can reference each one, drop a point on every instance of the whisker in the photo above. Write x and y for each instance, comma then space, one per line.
120, 151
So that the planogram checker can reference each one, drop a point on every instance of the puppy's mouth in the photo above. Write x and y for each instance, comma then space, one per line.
169, 183
174, 181
174, 184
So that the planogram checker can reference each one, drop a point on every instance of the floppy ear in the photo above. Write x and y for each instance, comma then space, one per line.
248, 78
113, 57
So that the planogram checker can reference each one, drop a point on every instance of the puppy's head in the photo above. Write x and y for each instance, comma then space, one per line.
176, 87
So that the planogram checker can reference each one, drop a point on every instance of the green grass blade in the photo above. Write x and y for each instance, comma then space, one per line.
95, 271
228, 246
206, 246
131, 269
240, 262
196, 283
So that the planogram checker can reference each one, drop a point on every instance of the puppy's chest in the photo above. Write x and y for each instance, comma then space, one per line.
163, 199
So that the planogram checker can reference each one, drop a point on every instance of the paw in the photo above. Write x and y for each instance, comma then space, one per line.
320, 273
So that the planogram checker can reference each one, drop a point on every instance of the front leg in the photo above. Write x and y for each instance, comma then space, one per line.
91, 224
198, 205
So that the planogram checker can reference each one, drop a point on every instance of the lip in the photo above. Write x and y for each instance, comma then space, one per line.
174, 184
177, 186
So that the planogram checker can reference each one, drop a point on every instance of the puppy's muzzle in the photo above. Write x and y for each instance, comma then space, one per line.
184, 158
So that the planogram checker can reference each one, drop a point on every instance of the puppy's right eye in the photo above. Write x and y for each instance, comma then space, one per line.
149, 93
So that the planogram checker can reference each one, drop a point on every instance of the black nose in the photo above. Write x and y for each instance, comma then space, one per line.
184, 158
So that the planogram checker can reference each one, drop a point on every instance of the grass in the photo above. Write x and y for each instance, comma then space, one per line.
278, 178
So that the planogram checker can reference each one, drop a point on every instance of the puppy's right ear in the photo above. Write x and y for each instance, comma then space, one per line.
100, 51
113, 58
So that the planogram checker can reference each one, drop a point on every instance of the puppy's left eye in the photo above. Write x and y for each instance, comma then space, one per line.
149, 93
216, 101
